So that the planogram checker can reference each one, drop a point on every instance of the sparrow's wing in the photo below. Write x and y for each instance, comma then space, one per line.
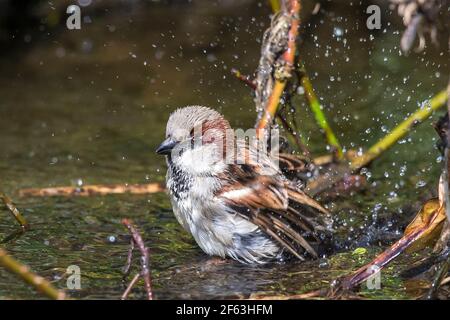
276, 207
261, 192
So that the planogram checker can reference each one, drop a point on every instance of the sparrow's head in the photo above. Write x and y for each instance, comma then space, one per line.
195, 138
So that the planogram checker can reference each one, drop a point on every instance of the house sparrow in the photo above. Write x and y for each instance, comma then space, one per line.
234, 200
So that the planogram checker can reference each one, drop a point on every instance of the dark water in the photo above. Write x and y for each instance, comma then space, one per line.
90, 106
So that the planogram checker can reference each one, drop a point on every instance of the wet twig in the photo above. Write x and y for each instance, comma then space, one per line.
416, 236
22, 271
326, 181
424, 229
316, 294
245, 79
425, 264
130, 286
294, 134
127, 268
289, 16
270, 89
282, 70
14, 211
145, 266
93, 190
13, 236
277, 63
401, 130
308, 295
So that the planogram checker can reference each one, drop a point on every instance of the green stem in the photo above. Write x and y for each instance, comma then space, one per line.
294, 136
400, 131
275, 5
320, 117
324, 182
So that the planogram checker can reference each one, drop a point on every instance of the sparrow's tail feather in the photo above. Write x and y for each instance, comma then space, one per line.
293, 235
308, 216
306, 223
277, 226
268, 228
296, 218
303, 199
293, 232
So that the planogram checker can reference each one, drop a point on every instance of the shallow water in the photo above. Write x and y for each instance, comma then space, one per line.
90, 107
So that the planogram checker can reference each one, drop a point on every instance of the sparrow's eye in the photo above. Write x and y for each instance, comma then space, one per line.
191, 137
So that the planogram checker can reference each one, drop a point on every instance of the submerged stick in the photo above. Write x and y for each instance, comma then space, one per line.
22, 271
14, 211
91, 190
308, 295
145, 272
400, 131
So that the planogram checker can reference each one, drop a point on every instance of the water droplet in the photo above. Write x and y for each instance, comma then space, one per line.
420, 184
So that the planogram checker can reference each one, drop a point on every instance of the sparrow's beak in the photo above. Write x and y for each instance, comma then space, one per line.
166, 146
